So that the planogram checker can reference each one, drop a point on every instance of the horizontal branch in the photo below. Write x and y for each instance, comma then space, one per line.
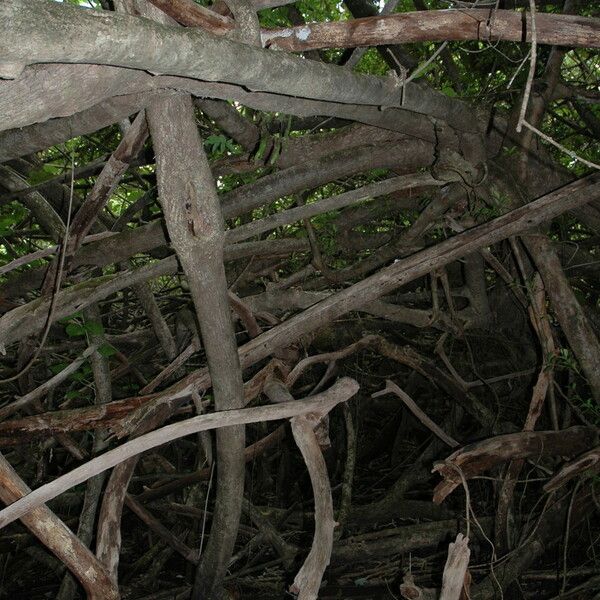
33, 33
437, 26
482, 456
49, 91
306, 211
21, 141
322, 403
31, 317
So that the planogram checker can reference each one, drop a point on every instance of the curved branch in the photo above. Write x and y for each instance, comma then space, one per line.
341, 391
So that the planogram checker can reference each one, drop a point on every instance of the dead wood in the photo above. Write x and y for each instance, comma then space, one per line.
456, 579
340, 392
54, 534
335, 213
588, 464
479, 457
308, 580
433, 26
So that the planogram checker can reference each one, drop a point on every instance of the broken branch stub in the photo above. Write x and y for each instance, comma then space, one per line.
456, 577
482, 456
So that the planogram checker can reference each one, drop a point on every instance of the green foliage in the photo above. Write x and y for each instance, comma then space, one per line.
323, 10
277, 17
563, 359
58, 367
219, 144
372, 63
77, 328
45, 172
107, 350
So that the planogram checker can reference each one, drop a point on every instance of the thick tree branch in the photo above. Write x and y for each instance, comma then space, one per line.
438, 26
35, 33
54, 534
193, 216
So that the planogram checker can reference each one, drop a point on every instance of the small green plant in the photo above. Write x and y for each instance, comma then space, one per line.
75, 326
563, 359
219, 144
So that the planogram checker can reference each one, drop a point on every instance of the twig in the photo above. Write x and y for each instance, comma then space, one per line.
566, 543
161, 531
572, 154
424, 66
212, 472
392, 388
532, 63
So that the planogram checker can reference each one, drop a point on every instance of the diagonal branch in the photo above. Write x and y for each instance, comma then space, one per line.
54, 534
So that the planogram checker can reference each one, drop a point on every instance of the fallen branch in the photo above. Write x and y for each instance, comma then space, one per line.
483, 456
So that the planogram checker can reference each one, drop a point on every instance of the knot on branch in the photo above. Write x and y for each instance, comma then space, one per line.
450, 166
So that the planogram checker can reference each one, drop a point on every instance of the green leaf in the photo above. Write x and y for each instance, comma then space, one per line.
217, 143
449, 91
106, 350
75, 330
276, 151
261, 148
58, 367
94, 328
42, 174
